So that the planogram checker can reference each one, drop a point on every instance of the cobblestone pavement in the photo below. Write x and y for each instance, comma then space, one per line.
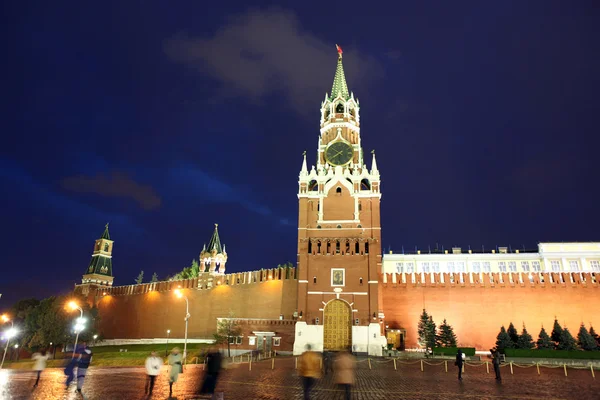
382, 382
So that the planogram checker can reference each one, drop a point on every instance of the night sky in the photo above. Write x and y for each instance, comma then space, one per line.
164, 118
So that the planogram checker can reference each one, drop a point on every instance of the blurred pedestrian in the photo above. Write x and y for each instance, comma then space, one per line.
309, 368
214, 362
70, 369
84, 361
343, 371
40, 364
459, 363
176, 362
496, 363
153, 365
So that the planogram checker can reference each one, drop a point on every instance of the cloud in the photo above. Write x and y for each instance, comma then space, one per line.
267, 51
117, 185
17, 176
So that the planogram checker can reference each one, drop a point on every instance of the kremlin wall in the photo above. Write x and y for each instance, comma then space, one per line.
344, 292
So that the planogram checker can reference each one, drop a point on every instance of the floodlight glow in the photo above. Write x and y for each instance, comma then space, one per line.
81, 320
95, 337
73, 305
11, 333
5, 318
178, 293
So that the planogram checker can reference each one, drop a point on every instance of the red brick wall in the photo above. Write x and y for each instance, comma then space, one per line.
476, 311
151, 313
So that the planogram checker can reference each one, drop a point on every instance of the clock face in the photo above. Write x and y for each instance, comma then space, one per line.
339, 153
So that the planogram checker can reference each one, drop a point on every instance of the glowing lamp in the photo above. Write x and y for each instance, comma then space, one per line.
11, 333
73, 306
178, 293
5, 318
95, 337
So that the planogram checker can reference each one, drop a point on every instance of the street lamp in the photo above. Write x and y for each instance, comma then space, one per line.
12, 332
179, 294
78, 323
167, 345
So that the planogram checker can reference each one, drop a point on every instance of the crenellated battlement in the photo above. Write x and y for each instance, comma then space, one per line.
206, 281
493, 279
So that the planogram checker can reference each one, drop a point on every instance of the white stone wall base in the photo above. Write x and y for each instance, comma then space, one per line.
365, 339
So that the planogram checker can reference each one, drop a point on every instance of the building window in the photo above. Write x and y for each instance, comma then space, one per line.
535, 265
502, 266
339, 226
487, 267
366, 248
512, 266
359, 206
252, 340
318, 226
105, 246
555, 266
574, 265
477, 267
451, 267
435, 267
314, 279
410, 268
425, 267
525, 266
357, 321
235, 340
360, 281
276, 341
460, 266
338, 190
595, 265
399, 268
359, 226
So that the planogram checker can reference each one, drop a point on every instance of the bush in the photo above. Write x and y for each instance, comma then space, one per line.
579, 355
451, 351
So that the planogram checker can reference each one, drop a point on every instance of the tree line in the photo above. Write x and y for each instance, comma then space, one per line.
48, 324
559, 339
430, 336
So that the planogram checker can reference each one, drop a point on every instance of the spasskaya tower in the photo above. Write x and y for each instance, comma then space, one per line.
339, 234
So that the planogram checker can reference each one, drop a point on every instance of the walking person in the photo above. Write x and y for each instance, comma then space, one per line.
70, 370
153, 365
40, 364
176, 362
84, 361
459, 363
496, 363
214, 362
309, 368
343, 372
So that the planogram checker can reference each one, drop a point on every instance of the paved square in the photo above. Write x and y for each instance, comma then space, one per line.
380, 382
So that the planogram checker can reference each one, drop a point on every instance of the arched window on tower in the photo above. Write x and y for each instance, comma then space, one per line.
356, 248
366, 247
105, 246
313, 186
365, 184
347, 251
310, 247
319, 247
337, 247
338, 191
328, 247
359, 206
339, 108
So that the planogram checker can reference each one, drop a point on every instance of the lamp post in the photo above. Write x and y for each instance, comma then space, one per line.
179, 294
9, 334
78, 325
167, 345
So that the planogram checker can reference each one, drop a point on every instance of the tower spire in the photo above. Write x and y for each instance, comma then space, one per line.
213, 257
304, 170
340, 87
105, 235
374, 170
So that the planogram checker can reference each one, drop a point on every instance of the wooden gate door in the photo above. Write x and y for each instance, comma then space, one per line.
337, 326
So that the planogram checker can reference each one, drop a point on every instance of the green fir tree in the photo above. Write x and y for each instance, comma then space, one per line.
525, 340
140, 278
446, 337
595, 336
544, 342
503, 340
567, 341
514, 335
585, 340
154, 278
556, 333
422, 328
430, 336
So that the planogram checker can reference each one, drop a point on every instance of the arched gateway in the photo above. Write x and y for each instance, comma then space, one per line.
337, 325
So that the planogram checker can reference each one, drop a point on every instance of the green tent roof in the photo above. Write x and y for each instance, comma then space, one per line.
340, 87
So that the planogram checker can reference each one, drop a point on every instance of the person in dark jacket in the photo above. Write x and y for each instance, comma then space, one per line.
496, 363
70, 369
214, 362
459, 363
85, 359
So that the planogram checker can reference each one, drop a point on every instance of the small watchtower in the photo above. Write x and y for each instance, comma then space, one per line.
213, 257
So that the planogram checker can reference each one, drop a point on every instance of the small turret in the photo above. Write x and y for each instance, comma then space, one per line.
374, 170
214, 257
304, 170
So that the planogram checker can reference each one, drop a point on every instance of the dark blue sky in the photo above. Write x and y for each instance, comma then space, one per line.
164, 118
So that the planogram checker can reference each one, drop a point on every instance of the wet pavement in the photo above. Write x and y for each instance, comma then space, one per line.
262, 382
